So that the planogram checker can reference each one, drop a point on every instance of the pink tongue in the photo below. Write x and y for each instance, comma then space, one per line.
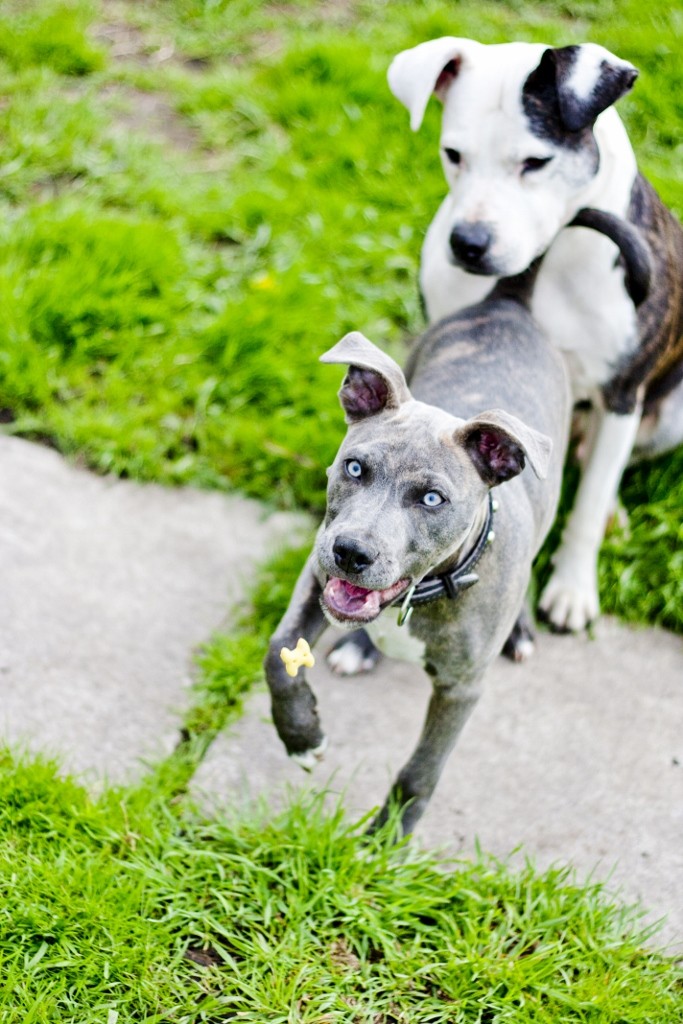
348, 599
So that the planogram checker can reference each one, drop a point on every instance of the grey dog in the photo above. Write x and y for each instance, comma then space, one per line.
413, 546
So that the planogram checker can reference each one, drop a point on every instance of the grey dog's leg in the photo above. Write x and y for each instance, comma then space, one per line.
449, 709
353, 654
293, 702
520, 644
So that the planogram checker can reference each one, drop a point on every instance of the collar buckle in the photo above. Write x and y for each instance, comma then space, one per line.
454, 586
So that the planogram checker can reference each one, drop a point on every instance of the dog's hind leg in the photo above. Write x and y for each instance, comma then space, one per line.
520, 645
353, 654
661, 429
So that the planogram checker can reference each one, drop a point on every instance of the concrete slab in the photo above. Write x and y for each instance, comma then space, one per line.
107, 587
577, 756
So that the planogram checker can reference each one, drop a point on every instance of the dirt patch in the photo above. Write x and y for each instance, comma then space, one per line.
127, 42
150, 114
131, 44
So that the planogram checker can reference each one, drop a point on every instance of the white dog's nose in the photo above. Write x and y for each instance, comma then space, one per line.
470, 243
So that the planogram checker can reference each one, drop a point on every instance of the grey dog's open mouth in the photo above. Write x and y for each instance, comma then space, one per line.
348, 603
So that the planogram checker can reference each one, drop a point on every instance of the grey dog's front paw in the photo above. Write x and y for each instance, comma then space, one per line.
296, 719
308, 759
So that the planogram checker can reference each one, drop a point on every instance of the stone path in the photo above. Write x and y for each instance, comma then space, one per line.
107, 587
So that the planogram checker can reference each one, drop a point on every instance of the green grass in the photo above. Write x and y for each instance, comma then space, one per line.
128, 909
168, 281
169, 277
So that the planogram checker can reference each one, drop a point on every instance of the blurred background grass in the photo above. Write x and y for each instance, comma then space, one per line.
199, 197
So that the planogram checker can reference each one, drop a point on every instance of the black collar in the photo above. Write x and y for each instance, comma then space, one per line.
452, 583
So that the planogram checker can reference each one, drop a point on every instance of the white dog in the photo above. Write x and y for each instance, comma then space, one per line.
529, 137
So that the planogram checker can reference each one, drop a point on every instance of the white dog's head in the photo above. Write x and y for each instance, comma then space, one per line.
517, 140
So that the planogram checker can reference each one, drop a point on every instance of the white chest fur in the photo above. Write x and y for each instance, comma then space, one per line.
395, 641
581, 303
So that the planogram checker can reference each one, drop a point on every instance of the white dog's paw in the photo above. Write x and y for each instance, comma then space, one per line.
570, 603
308, 759
353, 655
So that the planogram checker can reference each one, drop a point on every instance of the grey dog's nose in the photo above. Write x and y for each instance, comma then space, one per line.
350, 556
469, 243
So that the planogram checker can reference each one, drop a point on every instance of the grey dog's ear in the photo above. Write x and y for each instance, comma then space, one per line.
374, 382
584, 80
430, 67
499, 445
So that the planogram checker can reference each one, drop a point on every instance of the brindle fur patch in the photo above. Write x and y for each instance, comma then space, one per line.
658, 361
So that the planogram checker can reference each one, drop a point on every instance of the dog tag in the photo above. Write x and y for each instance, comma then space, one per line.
406, 608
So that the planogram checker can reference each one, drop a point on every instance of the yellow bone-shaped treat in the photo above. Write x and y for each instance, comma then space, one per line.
301, 655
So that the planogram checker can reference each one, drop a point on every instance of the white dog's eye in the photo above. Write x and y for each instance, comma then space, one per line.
535, 163
353, 469
452, 155
432, 499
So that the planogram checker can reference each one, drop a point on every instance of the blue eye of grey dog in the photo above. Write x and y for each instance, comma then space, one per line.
353, 469
432, 499
453, 155
535, 163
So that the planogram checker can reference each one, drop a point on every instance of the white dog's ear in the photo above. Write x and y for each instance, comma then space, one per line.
374, 382
499, 445
585, 80
428, 68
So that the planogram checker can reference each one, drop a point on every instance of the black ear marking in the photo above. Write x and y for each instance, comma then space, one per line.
612, 80
555, 108
497, 457
363, 393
